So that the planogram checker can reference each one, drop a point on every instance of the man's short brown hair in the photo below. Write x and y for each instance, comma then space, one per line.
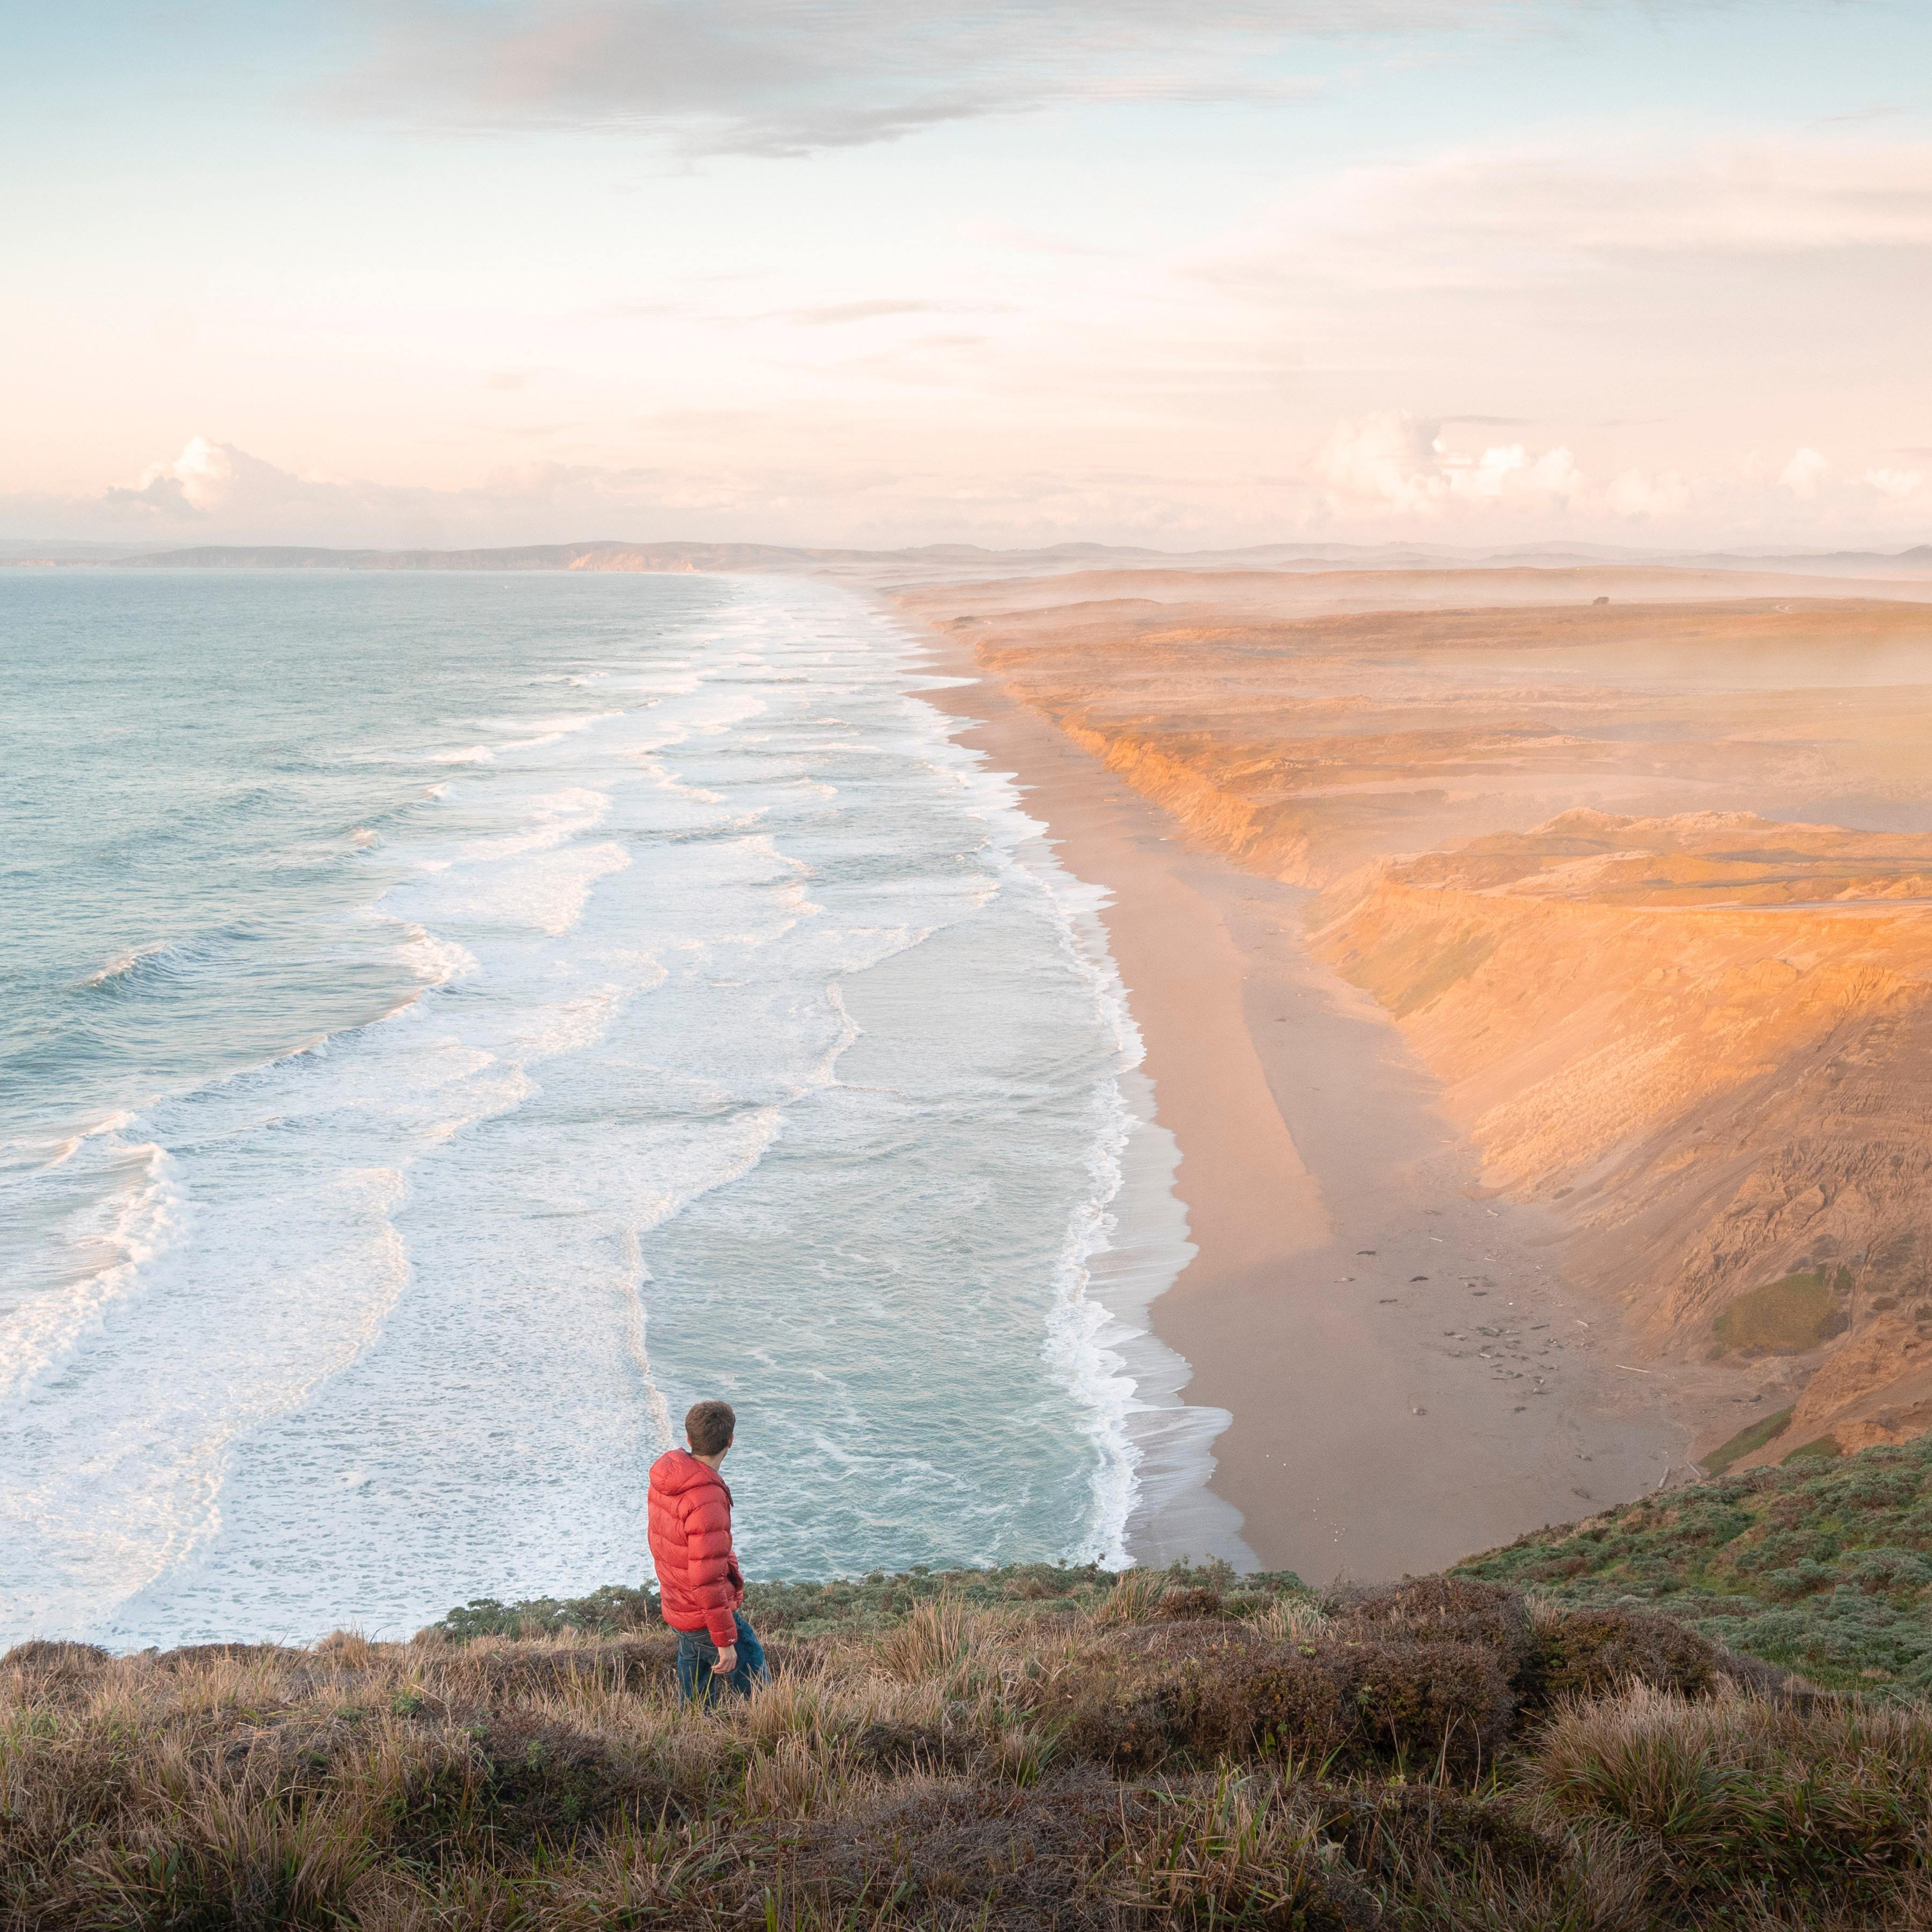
708, 1427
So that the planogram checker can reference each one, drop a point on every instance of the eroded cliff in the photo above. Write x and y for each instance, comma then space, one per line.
1709, 1038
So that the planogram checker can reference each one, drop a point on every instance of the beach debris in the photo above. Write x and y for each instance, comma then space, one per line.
1418, 1277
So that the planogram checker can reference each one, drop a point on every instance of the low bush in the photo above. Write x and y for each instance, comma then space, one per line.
1822, 1567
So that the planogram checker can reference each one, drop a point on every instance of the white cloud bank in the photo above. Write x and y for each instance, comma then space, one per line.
1401, 464
1384, 475
213, 492
1405, 468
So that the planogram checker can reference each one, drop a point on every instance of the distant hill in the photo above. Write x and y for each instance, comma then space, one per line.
934, 562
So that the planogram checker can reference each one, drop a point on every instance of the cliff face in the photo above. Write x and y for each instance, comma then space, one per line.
1709, 1039
1594, 861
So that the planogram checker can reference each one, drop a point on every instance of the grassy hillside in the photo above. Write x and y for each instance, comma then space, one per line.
1821, 1566
1035, 1748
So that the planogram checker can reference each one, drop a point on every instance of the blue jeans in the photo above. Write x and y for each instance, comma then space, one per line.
696, 1655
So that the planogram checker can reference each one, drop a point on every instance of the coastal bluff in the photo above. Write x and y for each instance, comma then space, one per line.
1709, 1040
1639, 863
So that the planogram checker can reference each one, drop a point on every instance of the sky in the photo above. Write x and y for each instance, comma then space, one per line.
1473, 272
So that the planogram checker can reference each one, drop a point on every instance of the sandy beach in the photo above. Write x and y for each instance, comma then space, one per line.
1409, 1377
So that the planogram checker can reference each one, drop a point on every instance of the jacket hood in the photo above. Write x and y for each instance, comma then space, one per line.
677, 1471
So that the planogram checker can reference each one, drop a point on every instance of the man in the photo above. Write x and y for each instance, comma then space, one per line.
700, 1586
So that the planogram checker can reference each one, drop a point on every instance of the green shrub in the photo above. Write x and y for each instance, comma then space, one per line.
1821, 1566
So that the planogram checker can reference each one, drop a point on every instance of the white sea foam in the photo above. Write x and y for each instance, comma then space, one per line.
547, 891
435, 961
135, 1218
540, 731
554, 819
1083, 1334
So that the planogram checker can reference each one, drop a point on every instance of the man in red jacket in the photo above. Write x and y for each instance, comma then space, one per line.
699, 1584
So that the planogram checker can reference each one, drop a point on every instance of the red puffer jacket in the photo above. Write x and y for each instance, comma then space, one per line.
690, 1544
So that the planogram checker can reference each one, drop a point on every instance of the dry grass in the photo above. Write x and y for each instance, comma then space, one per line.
1442, 1756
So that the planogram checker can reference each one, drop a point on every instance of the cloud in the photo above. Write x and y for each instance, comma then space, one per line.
781, 77
208, 478
1638, 497
1370, 475
1807, 469
1595, 210
834, 313
1400, 464
1902, 484
1390, 465
215, 492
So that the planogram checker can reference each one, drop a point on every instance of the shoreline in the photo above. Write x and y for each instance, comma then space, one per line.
1409, 1381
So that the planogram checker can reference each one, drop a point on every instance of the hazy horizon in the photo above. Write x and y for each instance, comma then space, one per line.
1468, 273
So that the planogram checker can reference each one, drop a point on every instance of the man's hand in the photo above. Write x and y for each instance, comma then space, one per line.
728, 1661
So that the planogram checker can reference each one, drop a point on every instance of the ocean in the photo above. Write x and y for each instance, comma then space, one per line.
453, 1022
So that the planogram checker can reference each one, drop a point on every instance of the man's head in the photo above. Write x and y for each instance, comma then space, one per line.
708, 1427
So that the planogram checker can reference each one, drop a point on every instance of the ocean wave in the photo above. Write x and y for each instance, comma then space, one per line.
135, 1218
435, 961
129, 961
1080, 1332
555, 817
1084, 1338
40, 1155
543, 892
544, 730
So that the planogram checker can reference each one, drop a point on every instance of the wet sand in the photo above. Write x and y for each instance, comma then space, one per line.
1409, 1379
